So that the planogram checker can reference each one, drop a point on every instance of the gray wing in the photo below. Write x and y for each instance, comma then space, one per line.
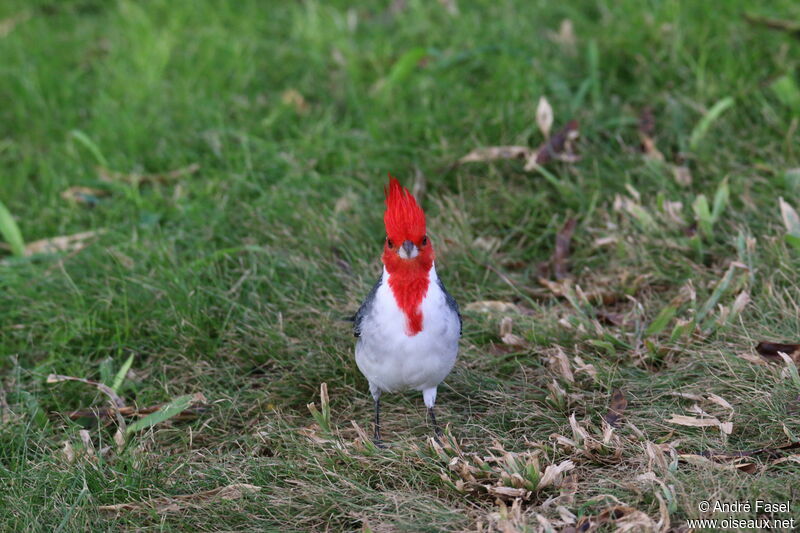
451, 303
365, 308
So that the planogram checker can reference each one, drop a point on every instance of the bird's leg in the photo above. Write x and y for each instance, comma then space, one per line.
436, 429
377, 438
429, 395
376, 395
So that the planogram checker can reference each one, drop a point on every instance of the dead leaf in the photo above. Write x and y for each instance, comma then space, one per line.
65, 243
647, 128
136, 179
616, 408
561, 252
770, 350
657, 459
569, 488
790, 458
507, 337
682, 175
119, 438
552, 474
176, 503
719, 401
508, 492
493, 153
7, 25
69, 452
560, 147
561, 364
199, 406
420, 186
491, 306
544, 117
488, 244
582, 367
683, 420
86, 440
738, 464
565, 36
84, 195
625, 518
105, 389
293, 98
791, 27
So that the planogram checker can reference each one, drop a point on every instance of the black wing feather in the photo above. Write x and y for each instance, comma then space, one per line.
451, 303
364, 310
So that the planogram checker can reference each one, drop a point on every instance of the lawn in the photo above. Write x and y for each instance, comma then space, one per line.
220, 166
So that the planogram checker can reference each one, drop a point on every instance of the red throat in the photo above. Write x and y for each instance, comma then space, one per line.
408, 278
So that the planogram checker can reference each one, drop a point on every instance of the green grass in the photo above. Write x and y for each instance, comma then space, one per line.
233, 281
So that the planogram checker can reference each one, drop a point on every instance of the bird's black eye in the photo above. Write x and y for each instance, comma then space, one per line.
424, 240
389, 242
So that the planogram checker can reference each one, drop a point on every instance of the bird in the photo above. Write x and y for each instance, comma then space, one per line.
408, 327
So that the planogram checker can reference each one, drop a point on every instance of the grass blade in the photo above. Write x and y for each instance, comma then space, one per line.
662, 320
169, 410
707, 120
402, 69
721, 198
90, 145
123, 371
10, 231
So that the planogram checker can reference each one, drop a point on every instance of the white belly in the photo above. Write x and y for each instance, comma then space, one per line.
392, 360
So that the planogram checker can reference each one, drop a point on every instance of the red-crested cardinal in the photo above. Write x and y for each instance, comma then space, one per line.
408, 326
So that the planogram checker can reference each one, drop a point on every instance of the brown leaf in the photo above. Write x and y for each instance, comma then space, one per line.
770, 350
793, 458
293, 98
83, 195
683, 420
569, 488
789, 26
491, 306
493, 153
544, 116
647, 122
565, 36
176, 503
559, 147
561, 252
552, 474
69, 452
105, 389
647, 129
613, 319
508, 492
198, 407
7, 25
64, 243
137, 179
507, 337
616, 408
420, 186
682, 175
561, 365
737, 464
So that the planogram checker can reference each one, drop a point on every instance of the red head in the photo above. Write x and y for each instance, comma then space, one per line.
407, 253
407, 249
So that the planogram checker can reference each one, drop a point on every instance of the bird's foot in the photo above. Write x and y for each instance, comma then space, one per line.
378, 443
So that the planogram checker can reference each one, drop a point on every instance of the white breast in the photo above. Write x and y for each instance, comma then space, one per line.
392, 360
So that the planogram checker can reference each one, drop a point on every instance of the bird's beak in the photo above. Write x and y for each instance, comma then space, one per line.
408, 251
